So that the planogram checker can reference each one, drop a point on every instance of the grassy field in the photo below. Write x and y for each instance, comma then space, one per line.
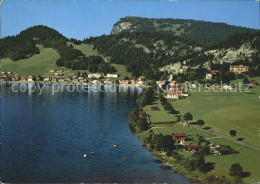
42, 63
159, 116
121, 70
89, 50
86, 49
38, 64
227, 110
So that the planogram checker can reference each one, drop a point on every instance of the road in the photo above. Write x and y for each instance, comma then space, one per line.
225, 137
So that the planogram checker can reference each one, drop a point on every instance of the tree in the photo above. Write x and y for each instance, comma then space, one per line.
245, 80
236, 170
134, 115
200, 122
233, 133
187, 116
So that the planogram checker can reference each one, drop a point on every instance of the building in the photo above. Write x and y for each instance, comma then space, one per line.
223, 151
174, 94
95, 82
82, 80
208, 75
142, 114
108, 59
253, 83
179, 137
112, 75
214, 71
191, 147
47, 79
239, 69
141, 82
94, 75
125, 82
108, 81
30, 78
154, 108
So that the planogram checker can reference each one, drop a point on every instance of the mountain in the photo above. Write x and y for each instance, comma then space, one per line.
204, 33
144, 53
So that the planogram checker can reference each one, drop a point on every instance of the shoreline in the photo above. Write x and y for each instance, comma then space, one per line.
176, 168
71, 84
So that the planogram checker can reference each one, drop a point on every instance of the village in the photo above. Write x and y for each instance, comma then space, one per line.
172, 89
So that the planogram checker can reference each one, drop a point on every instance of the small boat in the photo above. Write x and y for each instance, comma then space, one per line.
92, 153
115, 145
85, 155
104, 140
84, 148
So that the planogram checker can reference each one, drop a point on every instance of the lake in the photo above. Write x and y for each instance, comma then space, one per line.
42, 137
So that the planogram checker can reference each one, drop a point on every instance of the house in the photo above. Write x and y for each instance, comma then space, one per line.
108, 81
179, 137
47, 79
108, 59
142, 114
95, 82
154, 108
227, 87
81, 79
60, 72
112, 75
141, 82
208, 75
94, 75
223, 151
253, 83
53, 79
61, 80
133, 80
75, 80
30, 78
173, 84
174, 94
185, 94
16, 75
239, 68
68, 79
193, 85
23, 79
214, 71
125, 82
191, 147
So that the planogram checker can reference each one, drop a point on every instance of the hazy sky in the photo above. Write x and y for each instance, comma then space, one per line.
81, 18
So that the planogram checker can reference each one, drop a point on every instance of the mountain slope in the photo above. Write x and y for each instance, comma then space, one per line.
205, 33
144, 53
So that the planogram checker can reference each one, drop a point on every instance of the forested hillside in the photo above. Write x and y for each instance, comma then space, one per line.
23, 46
204, 33
144, 53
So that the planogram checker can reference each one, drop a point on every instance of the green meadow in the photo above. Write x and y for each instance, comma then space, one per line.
41, 64
223, 111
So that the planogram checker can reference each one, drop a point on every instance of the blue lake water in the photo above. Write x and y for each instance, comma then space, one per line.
43, 135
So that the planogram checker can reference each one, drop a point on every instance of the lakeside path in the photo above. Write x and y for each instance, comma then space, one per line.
224, 137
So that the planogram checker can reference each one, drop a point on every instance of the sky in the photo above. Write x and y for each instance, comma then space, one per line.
81, 18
